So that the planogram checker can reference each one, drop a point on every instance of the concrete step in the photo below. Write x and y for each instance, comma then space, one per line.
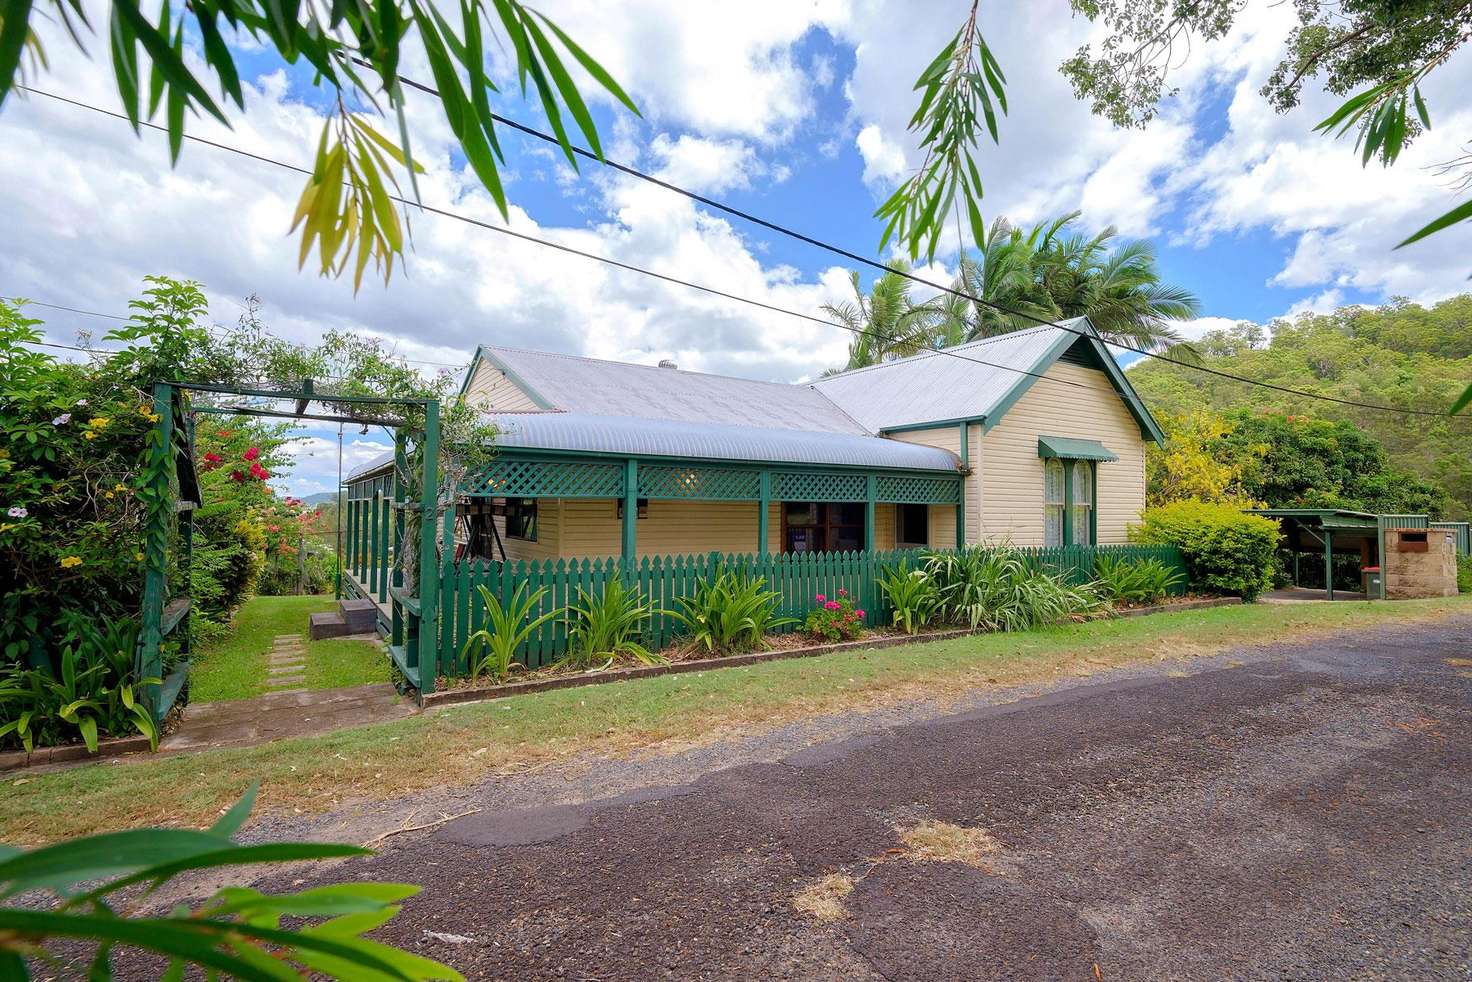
327, 624
361, 615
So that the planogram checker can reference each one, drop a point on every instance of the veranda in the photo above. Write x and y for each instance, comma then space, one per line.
374, 501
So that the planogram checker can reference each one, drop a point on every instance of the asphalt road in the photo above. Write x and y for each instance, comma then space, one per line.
1307, 815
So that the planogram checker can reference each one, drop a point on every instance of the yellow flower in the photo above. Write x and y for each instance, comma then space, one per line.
138, 556
88, 435
109, 496
97, 422
120, 486
68, 562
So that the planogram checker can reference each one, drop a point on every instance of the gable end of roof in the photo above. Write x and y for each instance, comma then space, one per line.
1149, 428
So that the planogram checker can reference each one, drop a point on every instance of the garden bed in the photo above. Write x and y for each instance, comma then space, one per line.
794, 645
11, 760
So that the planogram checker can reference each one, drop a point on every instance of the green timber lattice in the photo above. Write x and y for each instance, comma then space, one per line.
801, 486
513, 478
703, 483
919, 490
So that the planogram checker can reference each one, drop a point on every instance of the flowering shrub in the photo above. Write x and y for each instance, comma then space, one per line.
73, 453
835, 618
299, 549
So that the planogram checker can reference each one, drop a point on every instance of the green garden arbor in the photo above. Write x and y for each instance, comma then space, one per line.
170, 491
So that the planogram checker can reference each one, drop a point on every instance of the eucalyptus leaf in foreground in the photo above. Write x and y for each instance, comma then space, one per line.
237, 931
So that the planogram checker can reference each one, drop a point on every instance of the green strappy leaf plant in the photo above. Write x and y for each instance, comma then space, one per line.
913, 595
603, 627
491, 651
731, 613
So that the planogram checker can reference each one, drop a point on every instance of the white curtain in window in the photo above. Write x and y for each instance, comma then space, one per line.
1083, 501
1053, 502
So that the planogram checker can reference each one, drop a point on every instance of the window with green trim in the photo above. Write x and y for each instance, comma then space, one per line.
1083, 502
1053, 501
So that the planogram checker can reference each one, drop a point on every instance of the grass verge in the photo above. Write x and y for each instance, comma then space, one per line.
235, 666
461, 744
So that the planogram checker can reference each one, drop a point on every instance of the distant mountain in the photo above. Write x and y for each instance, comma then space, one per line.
1399, 354
321, 498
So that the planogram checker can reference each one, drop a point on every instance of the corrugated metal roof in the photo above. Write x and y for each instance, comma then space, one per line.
382, 460
628, 435
934, 386
611, 388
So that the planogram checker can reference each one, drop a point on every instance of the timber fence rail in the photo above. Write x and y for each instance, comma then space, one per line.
797, 577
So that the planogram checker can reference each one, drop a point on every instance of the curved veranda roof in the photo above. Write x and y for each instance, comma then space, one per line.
632, 436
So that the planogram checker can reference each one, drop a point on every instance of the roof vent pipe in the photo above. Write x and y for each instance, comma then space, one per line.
666, 363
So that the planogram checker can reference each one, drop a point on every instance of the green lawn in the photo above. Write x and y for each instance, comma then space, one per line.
235, 666
461, 744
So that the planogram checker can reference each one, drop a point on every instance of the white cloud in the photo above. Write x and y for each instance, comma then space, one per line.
705, 165
1265, 171
884, 159
97, 208
1194, 330
719, 68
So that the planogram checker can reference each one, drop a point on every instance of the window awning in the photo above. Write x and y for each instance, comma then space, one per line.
1068, 448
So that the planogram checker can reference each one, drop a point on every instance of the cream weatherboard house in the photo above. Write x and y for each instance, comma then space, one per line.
1031, 438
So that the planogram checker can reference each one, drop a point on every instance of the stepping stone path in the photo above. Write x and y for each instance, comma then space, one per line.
286, 665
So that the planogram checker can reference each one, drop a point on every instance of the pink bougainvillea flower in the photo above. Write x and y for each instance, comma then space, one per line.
831, 605
252, 453
820, 598
237, 476
842, 592
858, 613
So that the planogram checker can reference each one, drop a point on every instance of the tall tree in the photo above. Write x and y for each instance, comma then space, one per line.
1050, 272
886, 322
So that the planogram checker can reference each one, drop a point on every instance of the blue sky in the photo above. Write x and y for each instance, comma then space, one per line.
793, 112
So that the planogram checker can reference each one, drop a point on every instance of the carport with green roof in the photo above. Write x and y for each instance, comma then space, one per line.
1321, 532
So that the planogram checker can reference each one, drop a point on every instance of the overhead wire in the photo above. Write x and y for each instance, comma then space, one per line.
456, 216
721, 206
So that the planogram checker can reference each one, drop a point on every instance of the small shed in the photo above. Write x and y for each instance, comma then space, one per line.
1320, 533
1401, 556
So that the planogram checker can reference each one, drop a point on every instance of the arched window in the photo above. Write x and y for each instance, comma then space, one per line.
1083, 502
1053, 500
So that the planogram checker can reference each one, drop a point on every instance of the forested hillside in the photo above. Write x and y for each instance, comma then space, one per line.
1399, 354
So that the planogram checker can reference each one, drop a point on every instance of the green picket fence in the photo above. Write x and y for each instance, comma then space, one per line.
798, 577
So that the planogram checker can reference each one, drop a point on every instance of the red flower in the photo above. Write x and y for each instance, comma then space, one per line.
237, 476
212, 460
252, 453
258, 472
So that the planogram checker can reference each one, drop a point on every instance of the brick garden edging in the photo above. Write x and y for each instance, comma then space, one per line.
67, 753
1185, 605
451, 697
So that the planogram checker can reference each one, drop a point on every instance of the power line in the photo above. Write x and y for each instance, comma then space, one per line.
1043, 322
215, 331
571, 250
70, 310
881, 267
